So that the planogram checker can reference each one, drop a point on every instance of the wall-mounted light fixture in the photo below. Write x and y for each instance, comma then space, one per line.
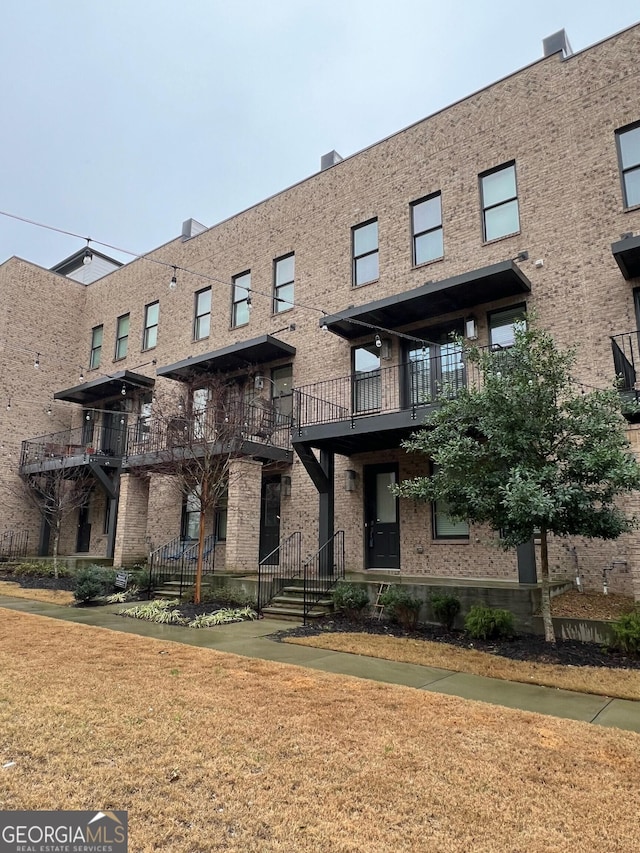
471, 329
385, 349
350, 480
285, 485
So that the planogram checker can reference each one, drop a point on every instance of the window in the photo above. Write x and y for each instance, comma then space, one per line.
502, 326
426, 229
628, 141
282, 389
199, 410
366, 379
191, 516
240, 304
365, 252
202, 323
444, 527
284, 272
144, 419
500, 215
221, 520
96, 346
435, 370
151, 317
122, 336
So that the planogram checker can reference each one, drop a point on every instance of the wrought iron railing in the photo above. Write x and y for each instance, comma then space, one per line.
281, 565
322, 571
626, 353
407, 386
91, 439
176, 562
13, 543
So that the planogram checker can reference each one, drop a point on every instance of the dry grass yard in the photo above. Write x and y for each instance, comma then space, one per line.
617, 683
49, 596
209, 752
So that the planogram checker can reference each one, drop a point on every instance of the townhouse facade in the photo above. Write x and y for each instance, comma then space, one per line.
325, 314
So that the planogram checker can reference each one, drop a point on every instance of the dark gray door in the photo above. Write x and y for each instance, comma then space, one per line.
84, 531
382, 528
270, 518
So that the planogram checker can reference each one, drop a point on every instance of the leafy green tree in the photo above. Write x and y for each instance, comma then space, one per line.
526, 452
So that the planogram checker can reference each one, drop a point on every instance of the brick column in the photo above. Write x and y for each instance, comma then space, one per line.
633, 508
243, 515
131, 530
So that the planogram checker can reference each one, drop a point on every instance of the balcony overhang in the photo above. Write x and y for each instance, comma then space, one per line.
433, 299
238, 356
627, 255
104, 387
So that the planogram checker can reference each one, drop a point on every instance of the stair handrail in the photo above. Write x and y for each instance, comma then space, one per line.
287, 567
326, 567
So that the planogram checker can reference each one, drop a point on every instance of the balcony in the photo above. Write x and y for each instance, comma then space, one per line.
72, 448
377, 409
626, 352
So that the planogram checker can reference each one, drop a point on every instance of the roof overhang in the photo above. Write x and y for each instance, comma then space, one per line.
433, 299
104, 387
238, 356
627, 255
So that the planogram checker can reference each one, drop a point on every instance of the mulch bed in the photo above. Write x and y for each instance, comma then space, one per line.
525, 647
34, 582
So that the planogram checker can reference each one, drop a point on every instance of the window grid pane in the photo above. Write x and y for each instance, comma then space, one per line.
240, 304
96, 346
202, 325
500, 214
630, 148
632, 187
284, 274
152, 315
365, 253
122, 336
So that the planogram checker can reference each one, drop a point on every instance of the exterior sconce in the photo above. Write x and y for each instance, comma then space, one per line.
285, 483
258, 382
350, 480
471, 329
385, 350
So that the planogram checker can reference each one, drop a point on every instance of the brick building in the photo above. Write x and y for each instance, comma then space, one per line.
327, 310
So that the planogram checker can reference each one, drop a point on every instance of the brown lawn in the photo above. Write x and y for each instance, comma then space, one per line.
209, 751
50, 596
619, 683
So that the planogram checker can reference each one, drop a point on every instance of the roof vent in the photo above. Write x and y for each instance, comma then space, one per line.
191, 228
329, 160
555, 43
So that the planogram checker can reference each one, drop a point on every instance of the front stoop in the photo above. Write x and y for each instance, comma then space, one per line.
288, 604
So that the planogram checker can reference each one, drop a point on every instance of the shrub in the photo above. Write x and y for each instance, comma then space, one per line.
163, 611
222, 617
40, 570
401, 606
626, 631
89, 584
445, 609
485, 623
350, 600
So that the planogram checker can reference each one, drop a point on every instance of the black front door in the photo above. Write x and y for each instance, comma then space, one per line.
382, 529
270, 518
113, 431
84, 531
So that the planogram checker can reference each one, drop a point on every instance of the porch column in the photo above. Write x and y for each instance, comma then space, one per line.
131, 524
326, 502
243, 515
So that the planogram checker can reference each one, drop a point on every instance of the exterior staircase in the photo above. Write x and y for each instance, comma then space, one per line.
288, 604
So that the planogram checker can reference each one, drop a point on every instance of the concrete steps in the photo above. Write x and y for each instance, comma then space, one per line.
288, 604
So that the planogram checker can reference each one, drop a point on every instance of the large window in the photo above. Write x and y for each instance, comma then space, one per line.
122, 336
503, 324
202, 322
240, 300
366, 379
426, 229
283, 278
629, 155
151, 318
96, 346
365, 252
282, 389
444, 527
191, 516
500, 215
144, 419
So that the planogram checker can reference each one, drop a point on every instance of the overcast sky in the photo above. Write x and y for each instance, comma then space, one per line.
121, 119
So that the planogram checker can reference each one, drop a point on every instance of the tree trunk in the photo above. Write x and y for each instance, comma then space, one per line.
56, 540
549, 633
203, 503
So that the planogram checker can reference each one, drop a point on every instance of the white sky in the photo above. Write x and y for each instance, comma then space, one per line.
123, 118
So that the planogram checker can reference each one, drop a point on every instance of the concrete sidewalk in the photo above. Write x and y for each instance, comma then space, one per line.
250, 639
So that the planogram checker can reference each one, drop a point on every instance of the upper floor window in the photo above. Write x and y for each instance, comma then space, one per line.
365, 252
240, 302
629, 156
426, 229
202, 322
96, 346
151, 318
284, 274
503, 324
500, 215
366, 378
122, 336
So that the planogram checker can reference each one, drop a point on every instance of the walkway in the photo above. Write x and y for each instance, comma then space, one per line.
250, 639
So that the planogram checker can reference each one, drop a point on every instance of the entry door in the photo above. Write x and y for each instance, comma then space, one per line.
113, 431
84, 531
382, 529
270, 517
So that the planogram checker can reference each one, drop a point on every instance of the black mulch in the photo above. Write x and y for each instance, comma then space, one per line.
526, 647
34, 582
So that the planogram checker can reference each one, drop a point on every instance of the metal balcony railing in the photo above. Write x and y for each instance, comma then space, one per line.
399, 387
13, 544
91, 439
626, 354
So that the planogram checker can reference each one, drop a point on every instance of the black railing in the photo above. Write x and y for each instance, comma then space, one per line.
626, 350
91, 439
281, 565
408, 386
13, 543
176, 561
322, 571
258, 422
